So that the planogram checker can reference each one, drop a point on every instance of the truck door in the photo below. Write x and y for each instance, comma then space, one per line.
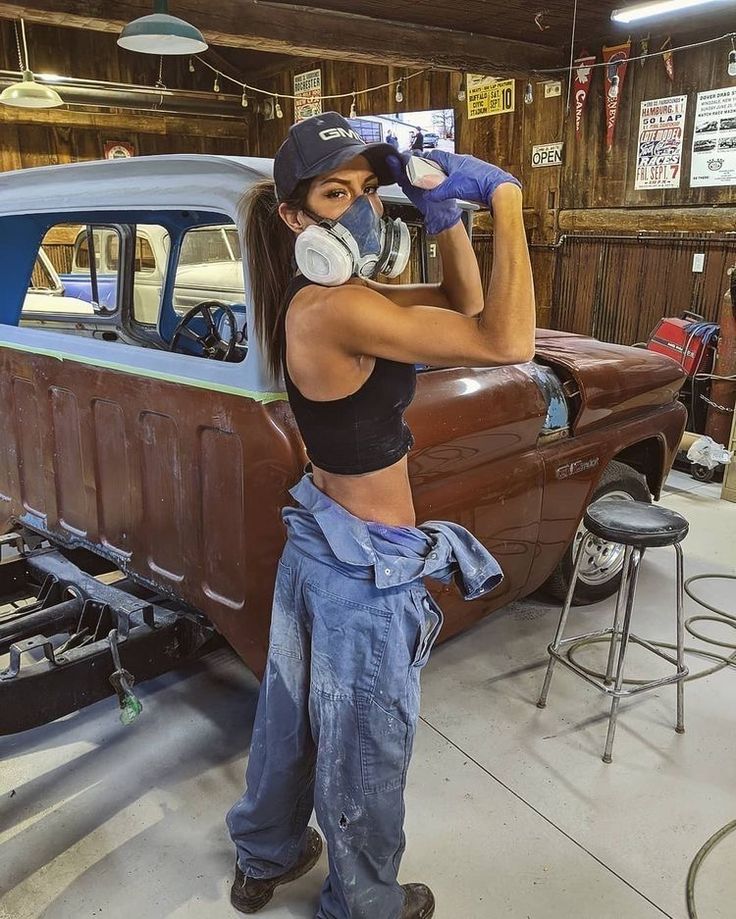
476, 462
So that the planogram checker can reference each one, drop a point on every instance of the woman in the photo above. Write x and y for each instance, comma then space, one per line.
352, 624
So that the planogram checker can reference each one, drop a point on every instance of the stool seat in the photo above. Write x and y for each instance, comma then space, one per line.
635, 523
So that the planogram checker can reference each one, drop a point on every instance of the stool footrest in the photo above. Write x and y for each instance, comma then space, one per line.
610, 690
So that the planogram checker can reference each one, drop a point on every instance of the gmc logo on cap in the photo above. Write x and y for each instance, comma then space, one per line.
334, 133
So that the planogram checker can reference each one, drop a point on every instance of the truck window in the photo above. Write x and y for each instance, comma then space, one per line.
62, 284
144, 257
82, 260
151, 257
210, 267
209, 244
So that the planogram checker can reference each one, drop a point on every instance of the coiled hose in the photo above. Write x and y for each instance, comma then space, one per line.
722, 617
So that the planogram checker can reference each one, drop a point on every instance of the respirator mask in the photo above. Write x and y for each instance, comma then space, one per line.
360, 244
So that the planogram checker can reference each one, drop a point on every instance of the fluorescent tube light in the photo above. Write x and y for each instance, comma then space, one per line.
656, 8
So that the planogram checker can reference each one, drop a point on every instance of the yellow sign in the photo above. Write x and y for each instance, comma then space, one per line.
489, 96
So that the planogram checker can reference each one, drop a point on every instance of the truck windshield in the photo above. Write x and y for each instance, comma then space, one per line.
210, 244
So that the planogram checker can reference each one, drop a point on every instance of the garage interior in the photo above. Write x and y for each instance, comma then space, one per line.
510, 811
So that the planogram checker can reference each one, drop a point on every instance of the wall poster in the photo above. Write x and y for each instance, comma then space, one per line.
489, 96
714, 139
661, 136
308, 88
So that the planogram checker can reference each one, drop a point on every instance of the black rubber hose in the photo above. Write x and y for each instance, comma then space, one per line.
698, 861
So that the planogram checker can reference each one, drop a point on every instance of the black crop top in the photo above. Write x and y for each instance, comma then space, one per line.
364, 431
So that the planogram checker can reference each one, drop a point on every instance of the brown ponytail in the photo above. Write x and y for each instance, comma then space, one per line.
270, 250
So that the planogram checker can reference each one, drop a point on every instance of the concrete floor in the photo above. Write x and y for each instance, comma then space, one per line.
510, 810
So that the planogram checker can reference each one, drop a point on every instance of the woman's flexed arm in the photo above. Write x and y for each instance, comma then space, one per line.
509, 314
360, 321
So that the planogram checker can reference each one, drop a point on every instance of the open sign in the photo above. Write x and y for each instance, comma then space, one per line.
547, 155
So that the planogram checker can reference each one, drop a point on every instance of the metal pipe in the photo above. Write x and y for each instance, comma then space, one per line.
64, 613
140, 98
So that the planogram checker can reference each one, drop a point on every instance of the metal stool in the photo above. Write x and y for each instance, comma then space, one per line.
638, 526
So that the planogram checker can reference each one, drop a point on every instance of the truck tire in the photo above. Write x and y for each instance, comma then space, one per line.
600, 574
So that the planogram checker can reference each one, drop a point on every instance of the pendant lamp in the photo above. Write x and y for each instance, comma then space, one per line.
161, 33
28, 93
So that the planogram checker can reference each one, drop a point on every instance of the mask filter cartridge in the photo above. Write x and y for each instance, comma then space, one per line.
360, 244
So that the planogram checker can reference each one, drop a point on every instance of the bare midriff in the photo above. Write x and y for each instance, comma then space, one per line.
383, 496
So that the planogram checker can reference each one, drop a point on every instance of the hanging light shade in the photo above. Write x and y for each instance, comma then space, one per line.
29, 94
161, 33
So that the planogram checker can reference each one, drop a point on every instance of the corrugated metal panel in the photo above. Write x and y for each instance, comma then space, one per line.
617, 288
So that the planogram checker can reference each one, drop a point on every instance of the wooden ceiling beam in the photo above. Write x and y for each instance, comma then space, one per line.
138, 123
307, 32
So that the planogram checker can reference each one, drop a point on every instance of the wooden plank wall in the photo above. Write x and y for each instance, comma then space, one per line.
589, 179
95, 55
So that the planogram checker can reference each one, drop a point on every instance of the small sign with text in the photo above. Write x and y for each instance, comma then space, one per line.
547, 155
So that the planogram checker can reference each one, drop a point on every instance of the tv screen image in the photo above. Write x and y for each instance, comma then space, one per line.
409, 131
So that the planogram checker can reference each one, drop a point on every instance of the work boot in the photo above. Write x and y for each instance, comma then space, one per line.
418, 902
248, 895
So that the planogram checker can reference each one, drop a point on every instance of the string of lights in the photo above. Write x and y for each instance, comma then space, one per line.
643, 57
399, 82
353, 94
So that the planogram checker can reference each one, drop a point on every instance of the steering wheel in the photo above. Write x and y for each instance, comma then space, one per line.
214, 345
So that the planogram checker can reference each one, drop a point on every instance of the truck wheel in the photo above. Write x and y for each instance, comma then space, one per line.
600, 574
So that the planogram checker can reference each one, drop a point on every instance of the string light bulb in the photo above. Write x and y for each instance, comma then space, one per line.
399, 91
353, 109
461, 91
216, 86
244, 99
278, 111
191, 66
529, 94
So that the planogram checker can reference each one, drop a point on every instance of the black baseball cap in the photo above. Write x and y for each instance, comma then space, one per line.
321, 144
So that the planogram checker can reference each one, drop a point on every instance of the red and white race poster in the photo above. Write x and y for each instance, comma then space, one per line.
617, 58
661, 136
582, 75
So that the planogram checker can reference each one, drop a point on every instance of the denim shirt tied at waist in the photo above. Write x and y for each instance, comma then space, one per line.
396, 555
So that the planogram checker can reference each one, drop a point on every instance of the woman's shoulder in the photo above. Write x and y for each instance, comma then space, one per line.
314, 308
307, 291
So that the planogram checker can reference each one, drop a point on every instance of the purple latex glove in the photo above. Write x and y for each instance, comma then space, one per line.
467, 177
438, 215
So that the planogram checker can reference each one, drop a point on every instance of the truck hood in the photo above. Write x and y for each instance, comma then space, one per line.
606, 381
213, 276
